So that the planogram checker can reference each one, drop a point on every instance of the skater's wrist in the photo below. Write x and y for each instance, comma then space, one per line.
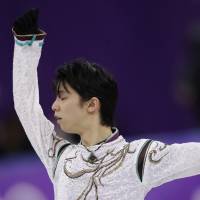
38, 36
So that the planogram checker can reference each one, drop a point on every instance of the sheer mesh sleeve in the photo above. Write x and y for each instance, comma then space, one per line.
39, 130
164, 163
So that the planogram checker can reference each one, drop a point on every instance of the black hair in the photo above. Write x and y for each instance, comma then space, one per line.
90, 80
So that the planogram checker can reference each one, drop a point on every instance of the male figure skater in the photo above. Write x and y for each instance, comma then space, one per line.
103, 165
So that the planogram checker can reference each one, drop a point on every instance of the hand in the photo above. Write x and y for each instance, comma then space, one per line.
27, 23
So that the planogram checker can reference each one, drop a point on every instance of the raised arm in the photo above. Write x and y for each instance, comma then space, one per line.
27, 51
164, 163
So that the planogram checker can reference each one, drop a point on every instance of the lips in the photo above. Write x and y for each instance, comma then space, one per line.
57, 118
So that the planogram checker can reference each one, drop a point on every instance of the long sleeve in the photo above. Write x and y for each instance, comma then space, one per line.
164, 163
39, 130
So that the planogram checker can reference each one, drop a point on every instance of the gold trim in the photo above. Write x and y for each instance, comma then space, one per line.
100, 169
154, 152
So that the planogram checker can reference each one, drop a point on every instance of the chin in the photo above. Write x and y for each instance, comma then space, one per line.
68, 130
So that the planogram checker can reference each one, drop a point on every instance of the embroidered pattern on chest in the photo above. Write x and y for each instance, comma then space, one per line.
102, 167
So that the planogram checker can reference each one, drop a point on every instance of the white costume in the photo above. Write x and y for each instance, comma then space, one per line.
123, 170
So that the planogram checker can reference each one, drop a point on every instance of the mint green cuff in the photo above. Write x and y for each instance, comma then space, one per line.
28, 43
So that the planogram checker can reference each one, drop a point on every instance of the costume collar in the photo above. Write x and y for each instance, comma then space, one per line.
114, 136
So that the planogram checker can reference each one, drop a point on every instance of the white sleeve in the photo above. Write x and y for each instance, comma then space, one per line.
164, 163
39, 130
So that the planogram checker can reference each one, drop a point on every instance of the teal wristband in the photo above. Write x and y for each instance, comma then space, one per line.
27, 43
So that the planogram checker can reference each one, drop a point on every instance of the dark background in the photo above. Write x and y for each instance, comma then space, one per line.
140, 42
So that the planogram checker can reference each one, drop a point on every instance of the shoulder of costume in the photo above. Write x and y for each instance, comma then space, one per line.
140, 142
143, 146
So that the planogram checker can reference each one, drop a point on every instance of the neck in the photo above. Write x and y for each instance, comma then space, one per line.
95, 135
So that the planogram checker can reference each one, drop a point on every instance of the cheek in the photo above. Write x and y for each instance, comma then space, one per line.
72, 111
73, 119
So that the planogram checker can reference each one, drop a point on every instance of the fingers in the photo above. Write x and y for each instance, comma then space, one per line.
31, 16
28, 23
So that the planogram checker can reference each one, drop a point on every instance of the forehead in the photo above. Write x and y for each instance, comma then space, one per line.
65, 88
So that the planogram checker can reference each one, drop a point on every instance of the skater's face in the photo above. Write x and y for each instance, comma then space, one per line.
71, 114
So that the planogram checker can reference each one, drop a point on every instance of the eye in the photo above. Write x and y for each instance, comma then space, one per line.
62, 98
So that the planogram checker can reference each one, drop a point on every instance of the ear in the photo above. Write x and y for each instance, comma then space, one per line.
93, 105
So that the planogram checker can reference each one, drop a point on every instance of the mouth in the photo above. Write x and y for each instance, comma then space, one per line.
57, 118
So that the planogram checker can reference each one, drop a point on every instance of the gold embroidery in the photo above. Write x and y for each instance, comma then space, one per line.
52, 150
100, 168
153, 153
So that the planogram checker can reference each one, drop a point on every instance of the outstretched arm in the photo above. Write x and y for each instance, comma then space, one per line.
163, 163
27, 51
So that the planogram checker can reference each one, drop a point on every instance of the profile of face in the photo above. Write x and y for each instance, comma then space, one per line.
71, 114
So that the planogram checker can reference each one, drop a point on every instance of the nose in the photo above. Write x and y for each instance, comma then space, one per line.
55, 106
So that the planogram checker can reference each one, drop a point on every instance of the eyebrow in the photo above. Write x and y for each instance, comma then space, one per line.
66, 89
61, 91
